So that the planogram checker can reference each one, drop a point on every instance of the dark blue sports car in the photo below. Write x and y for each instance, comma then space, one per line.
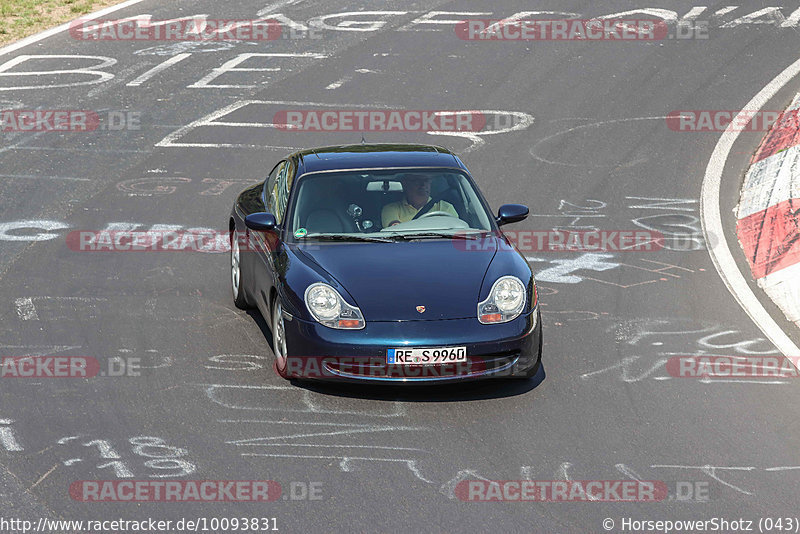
384, 263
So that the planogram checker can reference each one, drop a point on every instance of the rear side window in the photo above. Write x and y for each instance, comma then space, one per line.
269, 183
288, 173
276, 192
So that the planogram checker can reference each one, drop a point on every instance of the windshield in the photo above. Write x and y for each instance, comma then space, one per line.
387, 204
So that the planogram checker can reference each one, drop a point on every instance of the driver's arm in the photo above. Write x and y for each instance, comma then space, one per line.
447, 208
390, 214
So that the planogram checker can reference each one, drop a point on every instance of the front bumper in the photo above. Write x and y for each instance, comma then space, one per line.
498, 350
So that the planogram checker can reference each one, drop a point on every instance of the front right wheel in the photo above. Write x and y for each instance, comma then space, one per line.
530, 373
279, 338
237, 287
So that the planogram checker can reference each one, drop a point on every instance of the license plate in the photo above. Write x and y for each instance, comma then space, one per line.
426, 356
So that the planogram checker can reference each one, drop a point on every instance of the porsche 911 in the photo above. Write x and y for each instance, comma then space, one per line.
384, 263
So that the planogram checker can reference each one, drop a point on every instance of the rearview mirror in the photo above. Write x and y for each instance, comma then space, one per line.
261, 222
511, 213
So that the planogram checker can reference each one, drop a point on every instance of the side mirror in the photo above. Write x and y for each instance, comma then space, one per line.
511, 213
261, 222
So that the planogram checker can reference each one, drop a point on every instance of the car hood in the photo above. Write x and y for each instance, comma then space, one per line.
388, 281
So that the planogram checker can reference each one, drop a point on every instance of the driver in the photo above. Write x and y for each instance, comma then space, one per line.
417, 193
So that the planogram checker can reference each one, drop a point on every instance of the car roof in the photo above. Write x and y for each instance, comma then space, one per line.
372, 156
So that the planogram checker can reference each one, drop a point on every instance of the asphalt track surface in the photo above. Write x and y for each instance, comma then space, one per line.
598, 153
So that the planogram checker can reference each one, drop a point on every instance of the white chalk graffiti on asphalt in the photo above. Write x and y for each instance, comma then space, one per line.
505, 121
683, 338
165, 461
167, 185
157, 69
99, 76
634, 331
714, 472
237, 362
18, 227
7, 438
232, 65
676, 219
563, 269
307, 436
174, 236
681, 230
355, 21
590, 209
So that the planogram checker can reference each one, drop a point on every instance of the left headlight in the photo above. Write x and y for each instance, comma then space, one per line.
329, 308
505, 302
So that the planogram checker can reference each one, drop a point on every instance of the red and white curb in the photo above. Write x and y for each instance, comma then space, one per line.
768, 216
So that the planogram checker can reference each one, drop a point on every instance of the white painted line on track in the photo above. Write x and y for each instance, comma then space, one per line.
158, 68
711, 220
118, 78
58, 29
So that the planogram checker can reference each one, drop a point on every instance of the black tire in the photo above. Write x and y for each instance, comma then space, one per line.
240, 299
279, 348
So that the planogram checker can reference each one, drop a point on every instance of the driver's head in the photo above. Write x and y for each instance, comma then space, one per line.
417, 188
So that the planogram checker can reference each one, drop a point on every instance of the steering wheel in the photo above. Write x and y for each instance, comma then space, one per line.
436, 213
424, 209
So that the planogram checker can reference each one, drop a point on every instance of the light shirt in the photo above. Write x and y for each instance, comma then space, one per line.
402, 211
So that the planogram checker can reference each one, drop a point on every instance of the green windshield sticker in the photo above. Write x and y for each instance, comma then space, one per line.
300, 232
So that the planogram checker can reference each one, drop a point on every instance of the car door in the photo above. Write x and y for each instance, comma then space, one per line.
278, 204
264, 243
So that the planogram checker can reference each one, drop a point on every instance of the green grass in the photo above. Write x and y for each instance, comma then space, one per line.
20, 18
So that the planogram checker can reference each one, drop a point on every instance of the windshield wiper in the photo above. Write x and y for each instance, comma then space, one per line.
350, 237
439, 235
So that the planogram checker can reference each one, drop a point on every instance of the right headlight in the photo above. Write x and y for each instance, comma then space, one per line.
505, 302
329, 308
